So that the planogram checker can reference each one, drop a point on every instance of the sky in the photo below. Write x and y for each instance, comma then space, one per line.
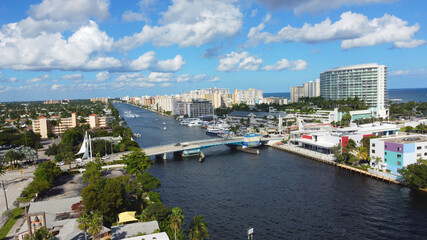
59, 49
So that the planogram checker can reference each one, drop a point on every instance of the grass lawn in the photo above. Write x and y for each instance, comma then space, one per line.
9, 224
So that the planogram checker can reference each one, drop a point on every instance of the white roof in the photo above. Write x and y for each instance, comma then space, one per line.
155, 236
133, 229
316, 143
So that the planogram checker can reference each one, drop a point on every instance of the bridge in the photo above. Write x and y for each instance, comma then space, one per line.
196, 147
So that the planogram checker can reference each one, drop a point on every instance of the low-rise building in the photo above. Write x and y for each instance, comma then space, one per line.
398, 152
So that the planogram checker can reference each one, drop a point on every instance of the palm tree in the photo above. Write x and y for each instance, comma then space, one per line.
377, 161
198, 229
83, 221
95, 225
176, 219
361, 153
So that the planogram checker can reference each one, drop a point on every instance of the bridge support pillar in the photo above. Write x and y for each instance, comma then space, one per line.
161, 156
201, 156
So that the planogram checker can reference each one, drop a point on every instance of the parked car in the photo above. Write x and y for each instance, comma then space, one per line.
60, 163
79, 160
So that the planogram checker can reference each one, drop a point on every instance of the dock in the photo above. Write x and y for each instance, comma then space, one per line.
330, 159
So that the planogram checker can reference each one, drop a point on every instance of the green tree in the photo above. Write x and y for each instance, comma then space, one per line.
2, 166
40, 234
158, 210
198, 229
136, 162
176, 220
92, 173
415, 175
106, 196
13, 155
84, 221
95, 225
148, 182
361, 154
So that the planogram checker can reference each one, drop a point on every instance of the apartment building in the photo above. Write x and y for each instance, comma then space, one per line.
250, 97
309, 89
398, 152
365, 81
58, 125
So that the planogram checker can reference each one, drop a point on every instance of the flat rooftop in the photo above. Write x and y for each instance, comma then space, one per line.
407, 139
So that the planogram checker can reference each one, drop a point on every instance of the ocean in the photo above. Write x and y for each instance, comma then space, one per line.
406, 94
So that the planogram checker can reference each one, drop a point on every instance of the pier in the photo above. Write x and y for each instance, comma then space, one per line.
329, 159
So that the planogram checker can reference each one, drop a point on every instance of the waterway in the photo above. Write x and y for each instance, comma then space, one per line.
283, 196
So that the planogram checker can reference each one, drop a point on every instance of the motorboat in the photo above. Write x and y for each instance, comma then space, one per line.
195, 123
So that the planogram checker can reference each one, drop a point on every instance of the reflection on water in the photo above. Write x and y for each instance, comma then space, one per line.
281, 195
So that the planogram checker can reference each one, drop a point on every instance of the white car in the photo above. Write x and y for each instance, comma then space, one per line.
79, 160
60, 163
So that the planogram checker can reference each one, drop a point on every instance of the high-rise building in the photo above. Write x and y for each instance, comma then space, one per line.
250, 97
365, 81
308, 89
199, 108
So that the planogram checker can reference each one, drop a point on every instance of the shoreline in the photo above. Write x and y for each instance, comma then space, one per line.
151, 110
329, 159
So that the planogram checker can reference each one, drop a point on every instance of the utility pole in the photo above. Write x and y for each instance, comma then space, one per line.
5, 197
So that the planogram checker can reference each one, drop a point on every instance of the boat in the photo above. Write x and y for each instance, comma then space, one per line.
164, 128
137, 135
188, 120
195, 123
213, 131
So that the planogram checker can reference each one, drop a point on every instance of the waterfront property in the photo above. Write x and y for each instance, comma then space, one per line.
324, 140
365, 81
398, 152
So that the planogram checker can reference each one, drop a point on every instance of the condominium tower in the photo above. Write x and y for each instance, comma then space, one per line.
366, 81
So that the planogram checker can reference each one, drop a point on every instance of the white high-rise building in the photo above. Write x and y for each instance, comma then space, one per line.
308, 89
365, 81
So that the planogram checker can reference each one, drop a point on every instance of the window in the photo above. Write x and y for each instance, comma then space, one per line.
373, 144
385, 146
419, 155
373, 151
425, 154
419, 148
385, 159
385, 153
399, 156
399, 163
399, 149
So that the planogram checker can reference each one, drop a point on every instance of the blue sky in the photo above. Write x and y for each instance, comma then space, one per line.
56, 49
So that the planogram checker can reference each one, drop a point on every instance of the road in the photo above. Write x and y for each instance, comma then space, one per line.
14, 183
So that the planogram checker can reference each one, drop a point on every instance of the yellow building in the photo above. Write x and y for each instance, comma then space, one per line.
58, 125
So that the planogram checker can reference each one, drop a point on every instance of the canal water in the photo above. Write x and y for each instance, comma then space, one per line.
280, 195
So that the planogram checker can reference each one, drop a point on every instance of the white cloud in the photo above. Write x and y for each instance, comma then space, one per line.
254, 12
70, 10
38, 79
190, 78
243, 61
49, 51
214, 79
166, 85
355, 30
11, 80
283, 64
56, 86
418, 72
102, 76
171, 65
144, 7
159, 77
73, 77
189, 23
314, 6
